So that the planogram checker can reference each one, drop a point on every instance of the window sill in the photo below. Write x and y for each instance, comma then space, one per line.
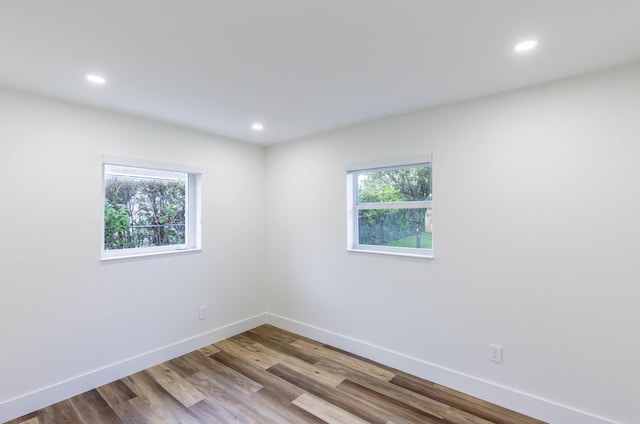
426, 255
134, 255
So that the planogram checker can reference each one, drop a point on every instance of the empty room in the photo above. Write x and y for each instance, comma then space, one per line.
305, 211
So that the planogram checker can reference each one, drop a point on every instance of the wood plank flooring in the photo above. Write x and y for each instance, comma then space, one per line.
268, 375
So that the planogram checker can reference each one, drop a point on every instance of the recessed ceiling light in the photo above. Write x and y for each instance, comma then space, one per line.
257, 126
96, 79
525, 45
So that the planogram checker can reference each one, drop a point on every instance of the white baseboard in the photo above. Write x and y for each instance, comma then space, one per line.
542, 409
532, 406
29, 402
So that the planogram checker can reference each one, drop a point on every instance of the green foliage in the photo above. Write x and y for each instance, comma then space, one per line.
395, 185
143, 212
116, 225
384, 226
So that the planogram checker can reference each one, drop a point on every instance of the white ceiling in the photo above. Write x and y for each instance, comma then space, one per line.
301, 67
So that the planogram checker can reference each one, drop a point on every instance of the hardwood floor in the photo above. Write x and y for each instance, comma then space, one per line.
268, 375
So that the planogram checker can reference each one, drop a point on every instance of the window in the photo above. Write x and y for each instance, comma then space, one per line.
149, 209
390, 208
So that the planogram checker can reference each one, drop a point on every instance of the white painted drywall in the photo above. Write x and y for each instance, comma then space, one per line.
536, 217
63, 313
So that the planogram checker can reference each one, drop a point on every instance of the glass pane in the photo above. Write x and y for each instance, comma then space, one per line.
144, 211
396, 227
395, 185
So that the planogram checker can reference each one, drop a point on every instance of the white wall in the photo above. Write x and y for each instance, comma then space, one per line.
536, 218
537, 222
64, 314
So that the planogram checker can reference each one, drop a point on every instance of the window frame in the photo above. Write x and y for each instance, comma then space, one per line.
193, 203
353, 206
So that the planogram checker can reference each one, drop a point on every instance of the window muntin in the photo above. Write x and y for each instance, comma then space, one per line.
148, 211
391, 210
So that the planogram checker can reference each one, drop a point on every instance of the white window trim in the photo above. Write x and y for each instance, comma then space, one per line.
353, 207
194, 227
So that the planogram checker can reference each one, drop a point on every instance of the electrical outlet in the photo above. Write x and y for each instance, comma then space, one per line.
495, 353
202, 312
